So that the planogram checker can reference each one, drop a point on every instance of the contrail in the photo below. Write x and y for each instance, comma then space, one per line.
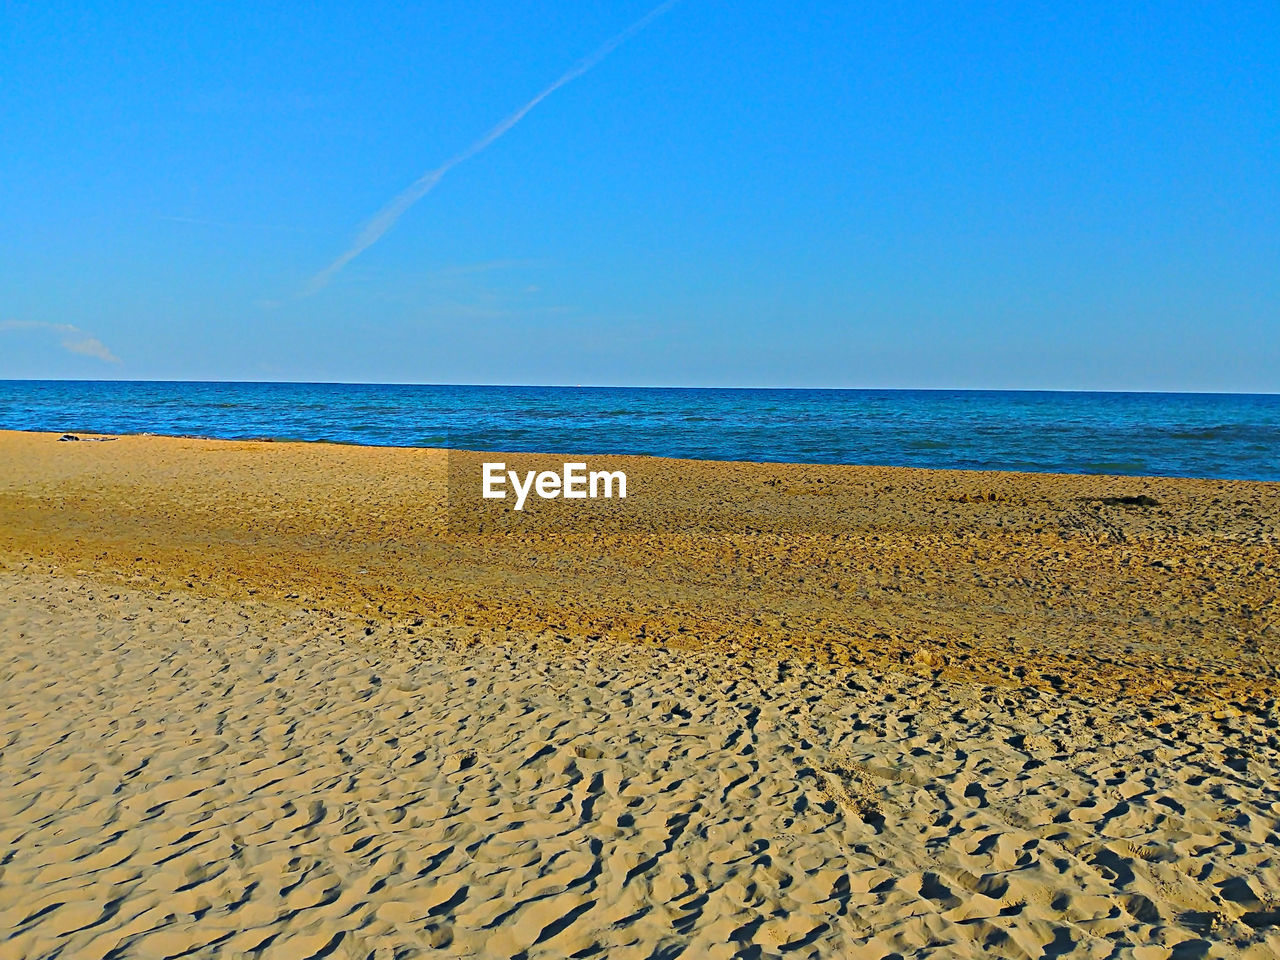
386, 218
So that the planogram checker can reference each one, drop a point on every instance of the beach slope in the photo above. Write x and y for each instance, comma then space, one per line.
308, 700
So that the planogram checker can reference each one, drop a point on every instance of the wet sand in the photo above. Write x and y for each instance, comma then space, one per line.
308, 700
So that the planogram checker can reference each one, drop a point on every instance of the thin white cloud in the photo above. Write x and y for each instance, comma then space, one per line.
90, 347
230, 224
71, 338
386, 218
485, 266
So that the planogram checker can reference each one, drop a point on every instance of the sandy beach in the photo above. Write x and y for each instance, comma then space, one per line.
307, 700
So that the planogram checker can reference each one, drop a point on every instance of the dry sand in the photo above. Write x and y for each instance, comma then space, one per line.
293, 701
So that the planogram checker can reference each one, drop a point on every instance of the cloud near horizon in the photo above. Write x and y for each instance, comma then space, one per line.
72, 338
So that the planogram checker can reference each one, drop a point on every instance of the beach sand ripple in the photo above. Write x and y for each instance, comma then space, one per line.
190, 777
300, 701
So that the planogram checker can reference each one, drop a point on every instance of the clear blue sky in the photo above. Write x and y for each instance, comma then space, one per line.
1050, 195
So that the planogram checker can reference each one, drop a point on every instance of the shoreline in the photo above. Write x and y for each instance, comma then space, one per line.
99, 435
1040, 579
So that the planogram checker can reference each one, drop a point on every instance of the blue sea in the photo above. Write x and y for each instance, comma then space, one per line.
1226, 436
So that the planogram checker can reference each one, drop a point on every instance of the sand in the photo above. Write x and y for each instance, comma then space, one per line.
296, 700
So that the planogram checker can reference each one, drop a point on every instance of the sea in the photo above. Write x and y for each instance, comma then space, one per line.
1226, 436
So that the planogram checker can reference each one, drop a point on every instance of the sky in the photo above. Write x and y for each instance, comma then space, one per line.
987, 195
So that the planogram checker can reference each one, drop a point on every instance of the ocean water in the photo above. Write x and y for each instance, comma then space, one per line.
1227, 436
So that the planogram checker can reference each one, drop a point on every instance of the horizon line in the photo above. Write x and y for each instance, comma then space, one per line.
635, 386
